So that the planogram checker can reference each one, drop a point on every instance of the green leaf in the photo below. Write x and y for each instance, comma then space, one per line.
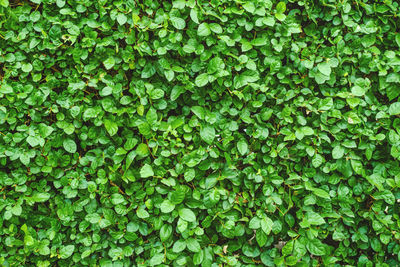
157, 259
242, 147
142, 150
266, 224
117, 199
165, 232
178, 23
167, 206
193, 245
316, 247
376, 180
5, 89
111, 127
394, 109
250, 7
176, 92
40, 197
386, 195
321, 193
358, 90
324, 68
66, 251
109, 63
179, 246
26, 67
121, 18
314, 218
142, 213
187, 215
207, 133
280, 16
337, 152
33, 140
146, 171
203, 29
157, 94
281, 7
199, 112
317, 160
4, 3
45, 130
201, 80
70, 146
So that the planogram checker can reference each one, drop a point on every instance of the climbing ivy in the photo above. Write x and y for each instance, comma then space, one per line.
199, 133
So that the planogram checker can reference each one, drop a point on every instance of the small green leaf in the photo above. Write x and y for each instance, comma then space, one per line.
204, 29
167, 206
281, 7
146, 171
26, 67
358, 90
165, 232
109, 63
4, 3
40, 197
157, 259
316, 247
187, 215
142, 150
193, 245
242, 147
111, 127
5, 89
142, 213
179, 246
207, 133
176, 92
394, 109
66, 251
324, 68
178, 23
121, 18
337, 152
70, 146
201, 80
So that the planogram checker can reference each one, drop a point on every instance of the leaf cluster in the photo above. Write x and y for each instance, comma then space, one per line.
199, 133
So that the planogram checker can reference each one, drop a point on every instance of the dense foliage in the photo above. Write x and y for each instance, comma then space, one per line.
196, 132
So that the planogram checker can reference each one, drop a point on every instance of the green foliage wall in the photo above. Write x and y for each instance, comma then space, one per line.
194, 132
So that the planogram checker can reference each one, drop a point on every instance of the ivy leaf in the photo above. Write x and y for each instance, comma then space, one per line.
324, 68
109, 63
281, 7
207, 133
242, 147
187, 215
394, 109
121, 18
316, 247
178, 23
337, 152
4, 3
201, 80
69, 146
5, 89
146, 171
111, 127
66, 251
167, 206
204, 29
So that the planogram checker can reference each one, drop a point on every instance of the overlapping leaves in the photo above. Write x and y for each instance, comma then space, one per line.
180, 133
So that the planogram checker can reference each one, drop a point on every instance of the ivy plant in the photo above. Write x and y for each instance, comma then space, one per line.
199, 133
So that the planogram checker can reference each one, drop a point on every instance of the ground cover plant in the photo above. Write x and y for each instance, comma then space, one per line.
194, 132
